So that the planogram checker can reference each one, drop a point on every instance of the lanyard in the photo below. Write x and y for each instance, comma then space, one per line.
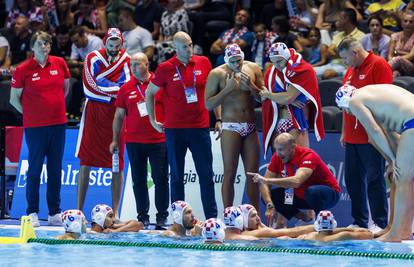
181, 79
140, 91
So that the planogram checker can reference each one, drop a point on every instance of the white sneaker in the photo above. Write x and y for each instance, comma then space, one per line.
353, 226
55, 220
374, 228
34, 219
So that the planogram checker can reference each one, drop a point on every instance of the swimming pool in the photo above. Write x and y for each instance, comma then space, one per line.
87, 255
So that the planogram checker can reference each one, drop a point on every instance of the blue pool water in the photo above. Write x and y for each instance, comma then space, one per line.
86, 255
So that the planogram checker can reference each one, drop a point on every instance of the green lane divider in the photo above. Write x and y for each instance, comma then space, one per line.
224, 247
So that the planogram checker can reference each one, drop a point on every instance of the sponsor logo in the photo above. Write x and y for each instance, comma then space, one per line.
197, 72
35, 76
53, 72
176, 77
362, 76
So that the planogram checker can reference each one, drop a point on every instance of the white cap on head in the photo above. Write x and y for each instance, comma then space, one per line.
233, 218
232, 50
178, 208
325, 221
343, 95
74, 221
279, 50
246, 209
213, 230
99, 213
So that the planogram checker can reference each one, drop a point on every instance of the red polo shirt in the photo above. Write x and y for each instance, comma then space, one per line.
374, 70
178, 113
307, 158
43, 96
138, 129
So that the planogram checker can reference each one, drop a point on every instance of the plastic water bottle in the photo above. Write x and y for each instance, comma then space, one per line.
115, 161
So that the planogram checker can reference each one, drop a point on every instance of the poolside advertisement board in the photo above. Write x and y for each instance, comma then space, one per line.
100, 181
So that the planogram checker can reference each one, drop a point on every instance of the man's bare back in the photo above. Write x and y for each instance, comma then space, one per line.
391, 105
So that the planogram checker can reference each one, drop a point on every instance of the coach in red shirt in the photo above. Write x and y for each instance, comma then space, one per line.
303, 180
143, 142
183, 79
39, 86
364, 165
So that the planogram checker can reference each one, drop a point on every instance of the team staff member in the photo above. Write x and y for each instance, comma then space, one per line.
183, 79
364, 165
105, 70
143, 142
38, 90
303, 180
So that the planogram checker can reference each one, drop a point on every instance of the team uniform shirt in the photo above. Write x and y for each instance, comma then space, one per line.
43, 95
138, 128
179, 113
305, 158
301, 75
102, 79
374, 70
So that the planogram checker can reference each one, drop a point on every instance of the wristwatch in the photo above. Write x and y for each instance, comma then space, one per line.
270, 205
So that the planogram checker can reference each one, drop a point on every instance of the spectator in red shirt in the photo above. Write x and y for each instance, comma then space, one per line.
39, 86
183, 79
303, 181
143, 142
364, 165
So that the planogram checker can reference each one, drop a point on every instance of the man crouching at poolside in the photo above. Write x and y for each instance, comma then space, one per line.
326, 231
185, 224
104, 221
74, 223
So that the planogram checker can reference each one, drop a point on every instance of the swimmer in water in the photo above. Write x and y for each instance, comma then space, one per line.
213, 231
233, 219
104, 221
185, 224
74, 223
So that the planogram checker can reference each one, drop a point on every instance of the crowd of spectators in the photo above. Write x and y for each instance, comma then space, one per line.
313, 28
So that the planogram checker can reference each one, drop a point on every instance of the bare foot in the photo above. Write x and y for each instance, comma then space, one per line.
392, 237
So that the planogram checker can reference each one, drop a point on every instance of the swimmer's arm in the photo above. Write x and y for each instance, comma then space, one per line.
349, 236
129, 226
169, 233
213, 96
301, 175
375, 132
284, 98
259, 82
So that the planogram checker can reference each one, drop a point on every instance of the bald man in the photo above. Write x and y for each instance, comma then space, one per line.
387, 113
230, 91
183, 79
303, 180
143, 142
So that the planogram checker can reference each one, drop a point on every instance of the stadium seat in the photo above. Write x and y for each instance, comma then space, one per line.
409, 80
328, 118
338, 121
401, 83
327, 90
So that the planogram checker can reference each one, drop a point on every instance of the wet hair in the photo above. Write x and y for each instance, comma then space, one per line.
40, 35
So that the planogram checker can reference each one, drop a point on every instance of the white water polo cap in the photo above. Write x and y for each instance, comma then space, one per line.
343, 95
233, 218
325, 221
213, 230
232, 50
99, 213
279, 50
246, 209
74, 221
178, 208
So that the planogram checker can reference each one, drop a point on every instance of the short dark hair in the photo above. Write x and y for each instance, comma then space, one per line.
351, 15
62, 29
374, 17
314, 29
282, 22
44, 36
77, 30
126, 11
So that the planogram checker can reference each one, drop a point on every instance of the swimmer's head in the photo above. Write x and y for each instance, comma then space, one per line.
103, 215
325, 221
213, 231
183, 214
233, 218
279, 55
74, 221
343, 96
251, 219
233, 57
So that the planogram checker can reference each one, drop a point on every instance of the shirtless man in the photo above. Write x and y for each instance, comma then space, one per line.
233, 219
213, 231
386, 111
230, 91
326, 231
74, 223
185, 224
104, 221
